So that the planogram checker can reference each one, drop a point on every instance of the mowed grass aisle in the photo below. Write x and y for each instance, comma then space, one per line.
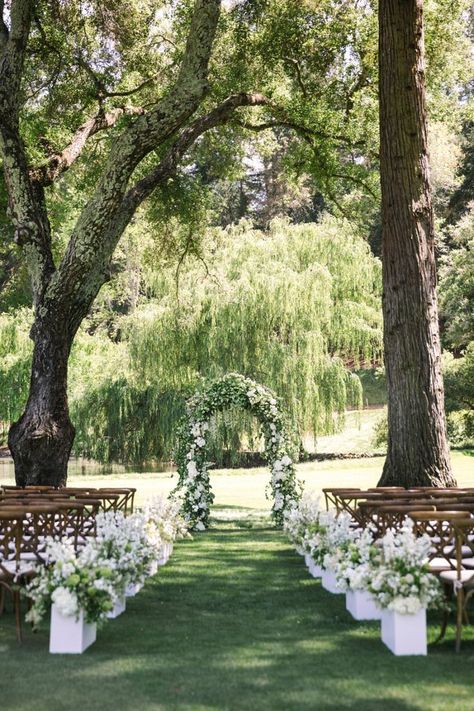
233, 622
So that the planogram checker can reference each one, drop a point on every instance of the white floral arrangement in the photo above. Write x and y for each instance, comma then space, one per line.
164, 520
298, 518
315, 541
339, 536
119, 555
354, 559
232, 390
399, 578
308, 527
73, 582
123, 544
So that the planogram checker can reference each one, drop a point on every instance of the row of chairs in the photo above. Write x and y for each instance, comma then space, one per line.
445, 515
110, 499
369, 505
30, 515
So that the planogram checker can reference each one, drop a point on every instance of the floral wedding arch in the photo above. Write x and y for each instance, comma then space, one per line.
232, 390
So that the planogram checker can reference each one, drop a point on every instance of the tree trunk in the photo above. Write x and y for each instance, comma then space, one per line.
418, 452
41, 440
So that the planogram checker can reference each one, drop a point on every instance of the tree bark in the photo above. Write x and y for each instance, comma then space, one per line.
418, 452
41, 440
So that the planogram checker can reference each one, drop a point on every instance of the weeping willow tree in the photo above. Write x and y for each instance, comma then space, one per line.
289, 307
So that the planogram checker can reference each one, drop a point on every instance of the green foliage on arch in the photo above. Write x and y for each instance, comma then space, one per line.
233, 390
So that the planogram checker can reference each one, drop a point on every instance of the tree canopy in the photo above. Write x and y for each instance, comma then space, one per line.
147, 124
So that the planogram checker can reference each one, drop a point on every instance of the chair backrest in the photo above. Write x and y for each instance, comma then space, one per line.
440, 527
11, 531
40, 523
464, 537
392, 517
388, 489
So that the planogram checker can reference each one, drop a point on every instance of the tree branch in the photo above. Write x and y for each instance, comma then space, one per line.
299, 78
219, 116
361, 81
356, 180
93, 240
61, 161
304, 131
168, 165
27, 207
13, 55
129, 92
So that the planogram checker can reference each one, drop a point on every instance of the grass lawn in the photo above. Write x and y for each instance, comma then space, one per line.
233, 621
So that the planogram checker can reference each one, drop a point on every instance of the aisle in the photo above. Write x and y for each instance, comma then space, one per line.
232, 622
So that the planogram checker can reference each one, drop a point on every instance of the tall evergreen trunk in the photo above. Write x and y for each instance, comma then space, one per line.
41, 440
418, 452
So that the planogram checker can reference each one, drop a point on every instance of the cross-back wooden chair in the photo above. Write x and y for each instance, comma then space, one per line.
330, 495
41, 522
460, 581
11, 531
69, 520
348, 502
125, 502
91, 508
392, 517
439, 526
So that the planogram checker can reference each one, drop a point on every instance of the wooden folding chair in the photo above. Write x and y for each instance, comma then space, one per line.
11, 531
461, 579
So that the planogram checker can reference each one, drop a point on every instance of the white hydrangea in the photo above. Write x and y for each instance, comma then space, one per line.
192, 469
66, 602
399, 577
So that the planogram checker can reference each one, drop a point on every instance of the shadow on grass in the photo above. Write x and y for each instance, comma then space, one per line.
234, 621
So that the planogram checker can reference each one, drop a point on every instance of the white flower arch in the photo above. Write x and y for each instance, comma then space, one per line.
237, 391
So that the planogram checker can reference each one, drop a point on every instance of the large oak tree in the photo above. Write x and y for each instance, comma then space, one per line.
41, 440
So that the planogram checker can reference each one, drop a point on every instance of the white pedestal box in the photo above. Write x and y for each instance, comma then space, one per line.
404, 634
133, 589
166, 552
68, 635
315, 570
362, 605
329, 582
117, 609
153, 568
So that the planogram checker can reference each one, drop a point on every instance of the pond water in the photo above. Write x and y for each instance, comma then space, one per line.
87, 468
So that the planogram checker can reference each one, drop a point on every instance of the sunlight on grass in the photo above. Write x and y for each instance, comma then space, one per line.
234, 621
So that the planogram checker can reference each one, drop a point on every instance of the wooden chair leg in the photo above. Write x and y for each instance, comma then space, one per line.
459, 617
17, 606
448, 592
